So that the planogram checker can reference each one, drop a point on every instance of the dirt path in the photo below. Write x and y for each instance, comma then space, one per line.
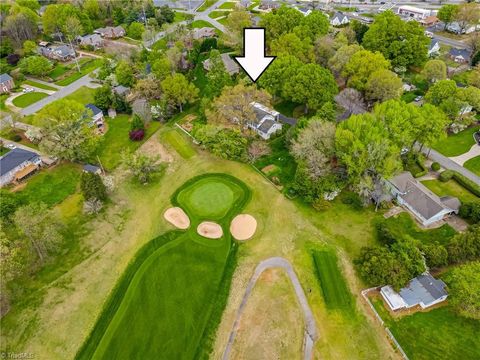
311, 332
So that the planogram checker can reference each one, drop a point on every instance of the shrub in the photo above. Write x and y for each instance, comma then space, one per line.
471, 211
16, 138
468, 184
435, 166
137, 135
137, 123
465, 246
92, 187
353, 200
13, 59
446, 175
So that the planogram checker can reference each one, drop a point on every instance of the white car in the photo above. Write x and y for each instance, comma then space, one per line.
429, 34
28, 90
11, 146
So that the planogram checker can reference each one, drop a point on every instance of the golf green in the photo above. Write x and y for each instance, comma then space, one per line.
170, 299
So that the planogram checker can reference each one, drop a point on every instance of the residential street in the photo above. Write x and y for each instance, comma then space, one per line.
450, 164
61, 93
311, 331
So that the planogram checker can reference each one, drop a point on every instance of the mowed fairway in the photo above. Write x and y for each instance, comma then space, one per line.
161, 306
334, 289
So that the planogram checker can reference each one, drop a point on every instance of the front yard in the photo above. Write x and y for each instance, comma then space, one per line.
473, 165
457, 144
28, 99
86, 68
450, 188
83, 95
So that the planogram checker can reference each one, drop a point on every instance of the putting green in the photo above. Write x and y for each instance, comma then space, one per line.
170, 299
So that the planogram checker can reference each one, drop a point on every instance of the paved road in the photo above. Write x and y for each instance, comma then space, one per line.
311, 332
203, 15
20, 146
447, 163
450, 42
61, 93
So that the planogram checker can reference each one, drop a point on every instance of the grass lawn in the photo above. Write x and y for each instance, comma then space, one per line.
218, 13
179, 143
436, 334
228, 5
197, 24
3, 97
222, 21
52, 186
180, 16
179, 270
83, 95
58, 71
450, 188
3, 150
28, 99
457, 144
39, 85
206, 5
85, 69
334, 288
116, 140
473, 165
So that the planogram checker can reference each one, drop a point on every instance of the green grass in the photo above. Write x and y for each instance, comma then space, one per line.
403, 224
222, 21
116, 140
3, 97
436, 334
180, 16
450, 188
473, 165
457, 144
174, 279
85, 69
228, 5
3, 150
218, 13
206, 5
28, 99
83, 95
179, 143
39, 85
51, 186
58, 71
335, 292
197, 24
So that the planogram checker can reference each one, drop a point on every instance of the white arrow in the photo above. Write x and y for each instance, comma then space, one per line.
254, 61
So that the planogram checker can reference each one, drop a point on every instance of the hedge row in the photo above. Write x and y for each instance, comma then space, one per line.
468, 184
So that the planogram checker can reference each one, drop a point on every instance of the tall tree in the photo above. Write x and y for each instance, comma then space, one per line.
280, 22
342, 56
464, 285
21, 25
237, 20
447, 13
435, 70
361, 66
402, 42
383, 85
312, 26
35, 65
291, 44
468, 14
217, 76
124, 73
178, 90
273, 79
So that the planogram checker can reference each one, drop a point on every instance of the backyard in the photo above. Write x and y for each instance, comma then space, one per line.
39, 85
28, 99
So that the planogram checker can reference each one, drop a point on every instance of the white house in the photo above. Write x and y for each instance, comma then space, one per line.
266, 121
434, 47
18, 164
414, 12
339, 19
426, 206
424, 291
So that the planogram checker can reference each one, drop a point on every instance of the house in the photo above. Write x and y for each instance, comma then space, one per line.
266, 121
434, 47
268, 5
339, 19
94, 40
92, 169
430, 21
420, 201
303, 10
231, 66
97, 117
458, 29
256, 21
110, 32
61, 52
408, 87
424, 291
461, 56
203, 33
6, 83
121, 90
414, 12
17, 164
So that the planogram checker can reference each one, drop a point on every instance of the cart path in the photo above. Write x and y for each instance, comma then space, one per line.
311, 332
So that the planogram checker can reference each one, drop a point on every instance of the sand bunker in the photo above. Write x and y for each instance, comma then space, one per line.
177, 217
243, 226
210, 230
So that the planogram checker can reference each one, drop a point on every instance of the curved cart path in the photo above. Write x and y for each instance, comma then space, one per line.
311, 332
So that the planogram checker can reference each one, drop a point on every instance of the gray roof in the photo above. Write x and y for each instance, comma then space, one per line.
14, 158
231, 67
433, 43
4, 78
419, 197
266, 126
94, 109
121, 90
91, 168
465, 53
424, 288
64, 50
339, 16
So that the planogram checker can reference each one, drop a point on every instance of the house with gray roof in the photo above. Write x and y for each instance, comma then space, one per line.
434, 47
424, 291
94, 40
231, 66
60, 52
203, 33
18, 164
266, 121
6, 83
339, 19
460, 55
97, 118
110, 32
426, 206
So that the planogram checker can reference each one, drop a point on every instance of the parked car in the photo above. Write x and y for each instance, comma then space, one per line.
28, 90
418, 98
429, 34
11, 146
